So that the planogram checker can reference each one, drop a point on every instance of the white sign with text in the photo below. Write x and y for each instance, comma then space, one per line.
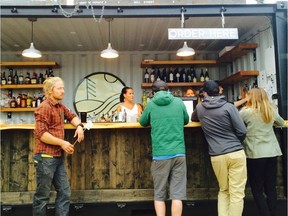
202, 33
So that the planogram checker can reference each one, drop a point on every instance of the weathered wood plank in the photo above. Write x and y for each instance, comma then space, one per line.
19, 161
114, 165
5, 160
116, 195
31, 168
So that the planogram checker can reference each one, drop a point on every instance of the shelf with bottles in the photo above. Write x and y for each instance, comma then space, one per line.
22, 86
239, 76
46, 64
173, 63
175, 77
21, 99
176, 84
18, 109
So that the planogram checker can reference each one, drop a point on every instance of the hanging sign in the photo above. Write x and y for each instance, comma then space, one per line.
202, 33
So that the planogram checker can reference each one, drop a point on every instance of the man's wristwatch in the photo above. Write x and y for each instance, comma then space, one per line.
80, 125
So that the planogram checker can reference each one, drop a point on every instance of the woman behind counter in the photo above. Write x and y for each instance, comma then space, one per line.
189, 92
127, 104
262, 148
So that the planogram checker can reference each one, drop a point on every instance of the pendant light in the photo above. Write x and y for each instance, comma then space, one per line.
185, 50
32, 52
109, 52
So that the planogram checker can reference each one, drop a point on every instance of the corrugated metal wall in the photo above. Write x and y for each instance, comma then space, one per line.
75, 66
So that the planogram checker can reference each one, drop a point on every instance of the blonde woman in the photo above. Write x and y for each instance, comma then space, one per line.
262, 149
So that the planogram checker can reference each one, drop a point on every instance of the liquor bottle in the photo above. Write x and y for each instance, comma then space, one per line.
206, 78
34, 102
40, 78
177, 75
3, 79
152, 76
51, 74
19, 100
144, 99
21, 78
27, 79
13, 103
29, 101
202, 78
15, 78
46, 74
34, 78
146, 76
171, 75
10, 77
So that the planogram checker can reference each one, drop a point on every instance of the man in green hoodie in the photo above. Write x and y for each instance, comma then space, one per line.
167, 116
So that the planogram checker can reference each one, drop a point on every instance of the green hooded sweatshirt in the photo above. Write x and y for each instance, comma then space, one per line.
167, 116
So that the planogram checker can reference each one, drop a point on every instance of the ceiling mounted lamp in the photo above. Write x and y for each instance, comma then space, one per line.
185, 50
32, 52
109, 52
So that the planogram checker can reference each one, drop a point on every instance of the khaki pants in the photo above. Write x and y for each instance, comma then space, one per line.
231, 173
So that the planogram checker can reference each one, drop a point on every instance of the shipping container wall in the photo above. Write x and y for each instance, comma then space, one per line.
74, 66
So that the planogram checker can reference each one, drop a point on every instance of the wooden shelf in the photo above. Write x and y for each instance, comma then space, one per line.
236, 52
22, 86
239, 76
149, 63
180, 84
26, 109
51, 64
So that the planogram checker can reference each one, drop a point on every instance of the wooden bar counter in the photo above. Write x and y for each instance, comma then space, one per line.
112, 164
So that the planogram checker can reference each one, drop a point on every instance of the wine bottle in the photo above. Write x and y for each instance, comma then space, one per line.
202, 78
171, 75
158, 74
206, 75
164, 75
177, 75
152, 76
15, 78
194, 76
183, 77
189, 75
146, 76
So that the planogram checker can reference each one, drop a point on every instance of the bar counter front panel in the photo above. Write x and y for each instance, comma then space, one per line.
111, 164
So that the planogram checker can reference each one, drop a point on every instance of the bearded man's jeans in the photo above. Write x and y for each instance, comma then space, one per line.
51, 171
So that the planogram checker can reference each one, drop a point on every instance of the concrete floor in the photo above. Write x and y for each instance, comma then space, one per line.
195, 208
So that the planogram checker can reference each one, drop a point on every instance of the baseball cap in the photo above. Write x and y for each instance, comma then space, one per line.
159, 85
211, 88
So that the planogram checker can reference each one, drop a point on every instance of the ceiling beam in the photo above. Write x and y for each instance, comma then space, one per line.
143, 11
